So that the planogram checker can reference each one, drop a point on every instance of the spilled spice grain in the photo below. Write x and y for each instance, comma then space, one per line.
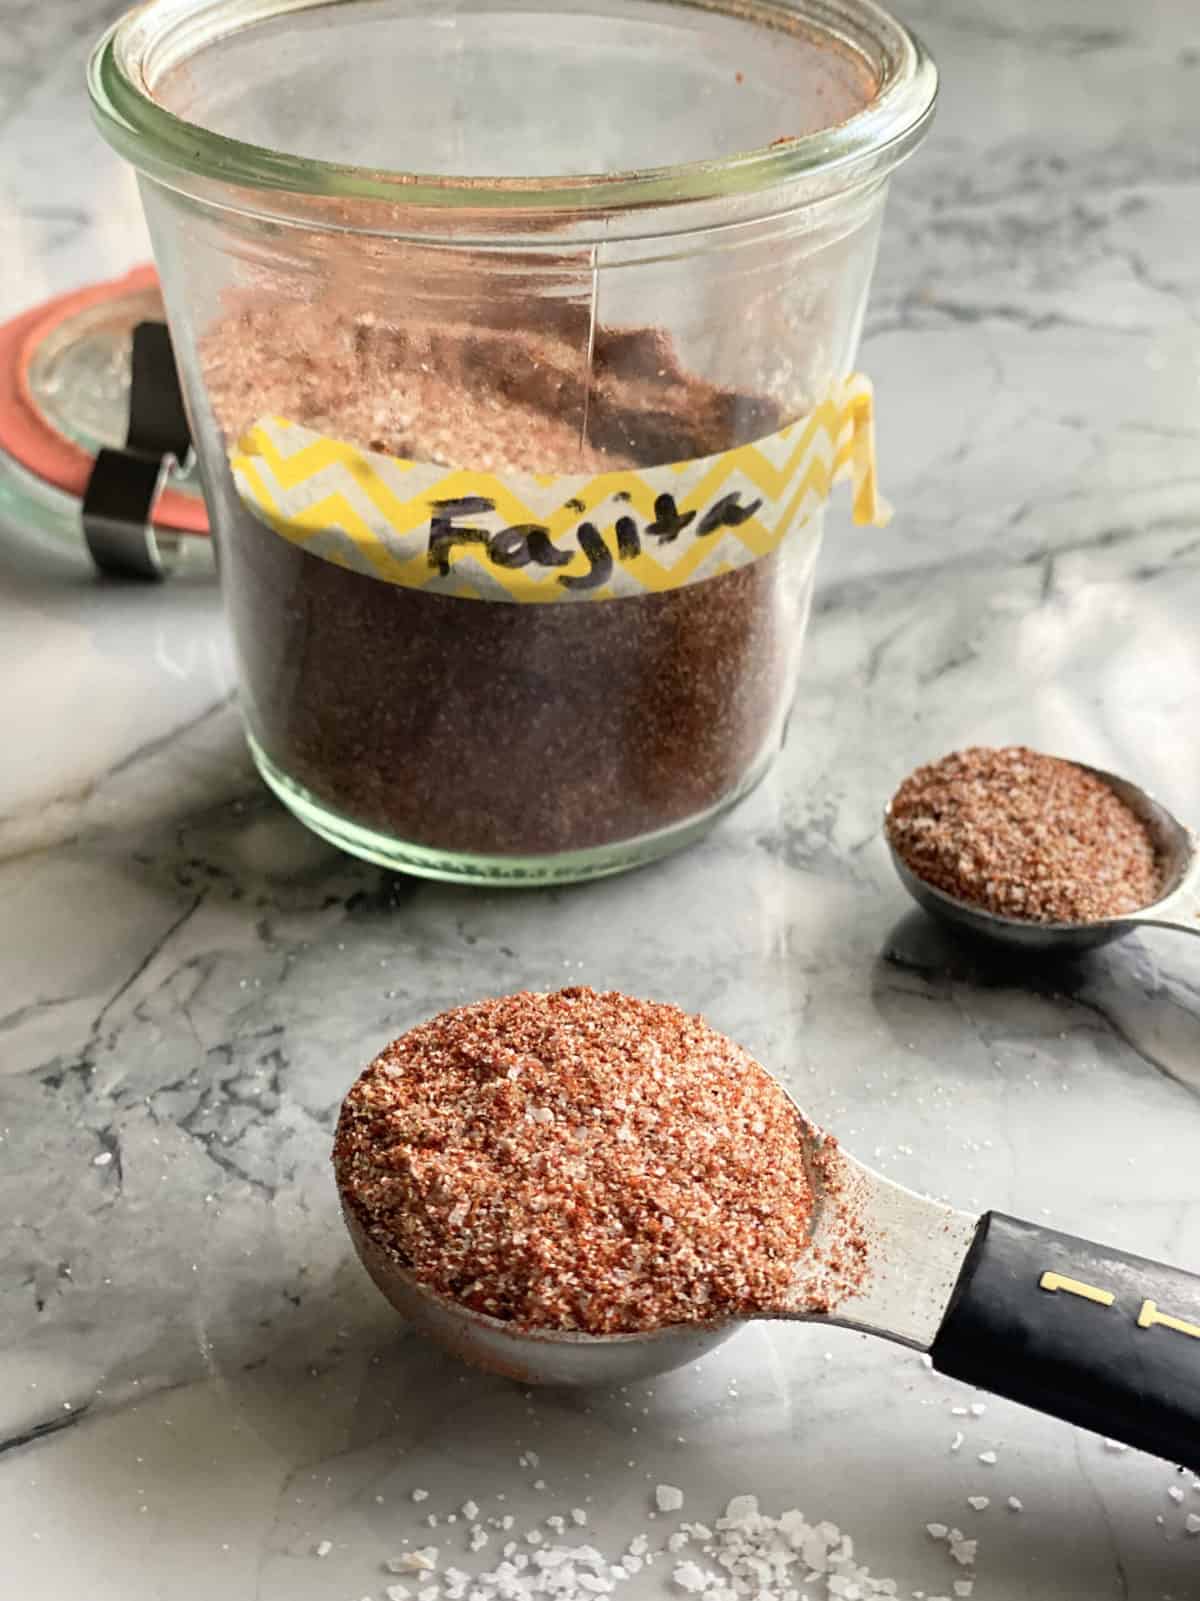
1024, 835
579, 1161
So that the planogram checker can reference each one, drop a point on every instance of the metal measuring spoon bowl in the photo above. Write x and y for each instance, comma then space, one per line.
1177, 907
854, 1210
1083, 1332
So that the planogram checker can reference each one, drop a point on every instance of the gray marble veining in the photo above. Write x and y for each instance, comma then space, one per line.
196, 1383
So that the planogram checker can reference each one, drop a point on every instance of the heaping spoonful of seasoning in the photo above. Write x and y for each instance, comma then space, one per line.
1041, 854
585, 1189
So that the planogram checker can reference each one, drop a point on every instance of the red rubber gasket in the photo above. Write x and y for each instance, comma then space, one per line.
28, 436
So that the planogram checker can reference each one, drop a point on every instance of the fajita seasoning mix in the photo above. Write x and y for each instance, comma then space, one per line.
462, 628
1025, 836
580, 1161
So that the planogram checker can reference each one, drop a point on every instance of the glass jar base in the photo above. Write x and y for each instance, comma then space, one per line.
496, 872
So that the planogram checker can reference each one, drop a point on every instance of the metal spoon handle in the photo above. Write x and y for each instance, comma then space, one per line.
1095, 1336
1185, 913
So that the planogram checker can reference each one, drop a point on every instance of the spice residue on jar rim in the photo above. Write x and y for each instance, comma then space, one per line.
582, 1161
1025, 836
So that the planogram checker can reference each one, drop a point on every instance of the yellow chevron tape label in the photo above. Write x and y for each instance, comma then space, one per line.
558, 537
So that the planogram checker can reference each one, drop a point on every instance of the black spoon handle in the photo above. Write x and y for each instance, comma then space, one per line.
1095, 1336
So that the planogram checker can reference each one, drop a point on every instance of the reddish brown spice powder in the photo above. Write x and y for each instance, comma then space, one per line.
478, 727
580, 1161
1024, 835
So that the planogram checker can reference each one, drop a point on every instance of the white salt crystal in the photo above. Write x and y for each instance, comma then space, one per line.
668, 1498
688, 1576
742, 1510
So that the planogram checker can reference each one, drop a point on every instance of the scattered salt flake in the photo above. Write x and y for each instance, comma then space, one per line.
668, 1498
1192, 1523
988, 1458
470, 1511
102, 1160
429, 1592
423, 1560
963, 1587
323, 1548
677, 1543
578, 1516
420, 1495
539, 1484
691, 1577
1175, 1493
939, 1531
637, 1546
978, 1503
397, 1592
977, 1409
963, 1551
956, 1442
1015, 1504
1115, 1445
959, 1412
741, 1512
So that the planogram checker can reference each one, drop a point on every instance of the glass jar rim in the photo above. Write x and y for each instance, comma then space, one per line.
865, 147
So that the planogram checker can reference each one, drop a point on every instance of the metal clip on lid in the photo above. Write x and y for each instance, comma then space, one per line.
125, 484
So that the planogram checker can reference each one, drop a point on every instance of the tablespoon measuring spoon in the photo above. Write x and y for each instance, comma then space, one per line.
1178, 907
1085, 1333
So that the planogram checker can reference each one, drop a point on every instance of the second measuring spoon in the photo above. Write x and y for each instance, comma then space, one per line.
1177, 908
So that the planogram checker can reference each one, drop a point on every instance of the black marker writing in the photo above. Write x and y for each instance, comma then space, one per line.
445, 535
727, 513
600, 567
669, 522
525, 543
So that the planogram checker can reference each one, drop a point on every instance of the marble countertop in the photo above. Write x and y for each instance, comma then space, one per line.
197, 1384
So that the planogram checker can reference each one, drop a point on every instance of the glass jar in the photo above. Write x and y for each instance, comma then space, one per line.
476, 308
